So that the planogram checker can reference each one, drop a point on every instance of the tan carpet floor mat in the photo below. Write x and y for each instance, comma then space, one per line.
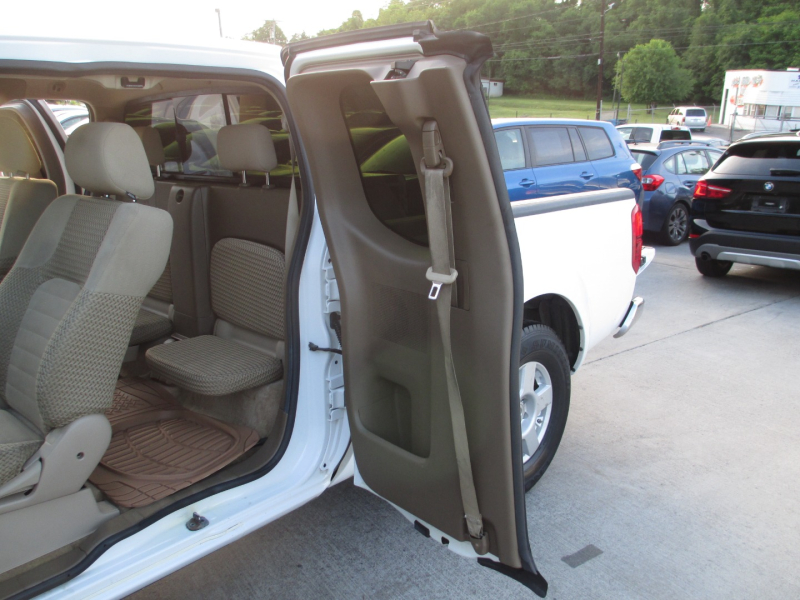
158, 447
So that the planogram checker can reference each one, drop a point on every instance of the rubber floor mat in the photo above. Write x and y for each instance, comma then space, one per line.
158, 447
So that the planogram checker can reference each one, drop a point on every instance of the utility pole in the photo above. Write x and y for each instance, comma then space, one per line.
600, 59
219, 19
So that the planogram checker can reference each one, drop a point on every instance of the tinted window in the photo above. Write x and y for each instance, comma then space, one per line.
642, 134
760, 158
512, 152
577, 146
597, 143
696, 112
386, 165
550, 146
188, 127
646, 159
696, 162
625, 132
668, 135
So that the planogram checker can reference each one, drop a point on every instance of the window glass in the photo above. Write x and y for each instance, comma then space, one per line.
512, 152
714, 155
644, 158
680, 165
70, 114
696, 162
625, 132
550, 146
760, 158
577, 145
669, 164
597, 144
668, 135
189, 125
642, 134
771, 112
696, 112
388, 174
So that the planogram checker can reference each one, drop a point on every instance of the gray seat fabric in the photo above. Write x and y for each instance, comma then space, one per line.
213, 366
68, 305
151, 325
247, 298
22, 199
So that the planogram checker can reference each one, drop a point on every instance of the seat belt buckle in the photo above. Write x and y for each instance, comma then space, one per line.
438, 280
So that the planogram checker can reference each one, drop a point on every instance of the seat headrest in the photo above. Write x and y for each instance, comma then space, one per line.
17, 152
108, 158
153, 147
246, 147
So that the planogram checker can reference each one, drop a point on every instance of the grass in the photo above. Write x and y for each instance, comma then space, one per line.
528, 106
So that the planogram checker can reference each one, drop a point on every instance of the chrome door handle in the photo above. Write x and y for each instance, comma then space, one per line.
526, 182
587, 175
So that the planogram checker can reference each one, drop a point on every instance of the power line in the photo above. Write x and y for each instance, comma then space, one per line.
544, 12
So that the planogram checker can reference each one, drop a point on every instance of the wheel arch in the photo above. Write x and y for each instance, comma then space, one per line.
560, 315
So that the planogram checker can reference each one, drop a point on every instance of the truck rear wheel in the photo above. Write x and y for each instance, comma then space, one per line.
544, 392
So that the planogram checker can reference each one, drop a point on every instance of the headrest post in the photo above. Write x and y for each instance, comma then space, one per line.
244, 178
158, 171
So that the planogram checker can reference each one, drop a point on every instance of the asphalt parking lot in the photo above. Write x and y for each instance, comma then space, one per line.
680, 462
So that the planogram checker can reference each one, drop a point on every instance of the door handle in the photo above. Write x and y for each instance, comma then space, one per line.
526, 182
587, 175
690, 184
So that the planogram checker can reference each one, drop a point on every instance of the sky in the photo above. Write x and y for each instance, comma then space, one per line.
166, 20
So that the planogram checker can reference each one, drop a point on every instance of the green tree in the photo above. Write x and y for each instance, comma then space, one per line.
266, 32
653, 74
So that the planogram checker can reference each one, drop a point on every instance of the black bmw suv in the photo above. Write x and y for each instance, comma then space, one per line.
746, 209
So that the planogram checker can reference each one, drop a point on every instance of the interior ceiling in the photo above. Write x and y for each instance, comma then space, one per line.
104, 94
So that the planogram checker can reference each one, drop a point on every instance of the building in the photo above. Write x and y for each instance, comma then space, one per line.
761, 100
492, 88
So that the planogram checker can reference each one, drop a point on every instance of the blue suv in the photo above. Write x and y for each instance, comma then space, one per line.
548, 157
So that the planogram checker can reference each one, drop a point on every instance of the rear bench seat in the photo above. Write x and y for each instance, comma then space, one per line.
247, 295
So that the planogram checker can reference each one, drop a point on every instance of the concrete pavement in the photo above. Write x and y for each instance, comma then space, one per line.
680, 462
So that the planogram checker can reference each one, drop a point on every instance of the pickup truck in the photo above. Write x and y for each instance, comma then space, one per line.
331, 282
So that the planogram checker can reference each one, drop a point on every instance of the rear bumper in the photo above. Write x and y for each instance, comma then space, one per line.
769, 250
634, 312
648, 254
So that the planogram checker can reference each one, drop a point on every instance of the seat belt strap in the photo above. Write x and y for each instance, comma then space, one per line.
436, 169
293, 211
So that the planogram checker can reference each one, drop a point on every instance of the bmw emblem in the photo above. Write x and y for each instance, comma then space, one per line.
769, 186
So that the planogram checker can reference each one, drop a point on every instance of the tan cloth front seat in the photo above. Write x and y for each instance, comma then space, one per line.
22, 199
67, 309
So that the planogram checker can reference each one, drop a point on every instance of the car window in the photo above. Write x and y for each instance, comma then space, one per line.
669, 165
625, 132
642, 134
598, 146
695, 161
512, 152
765, 159
714, 155
696, 112
668, 135
388, 174
189, 125
577, 145
645, 159
550, 146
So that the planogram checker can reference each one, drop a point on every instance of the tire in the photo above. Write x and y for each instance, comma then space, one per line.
711, 267
543, 361
676, 226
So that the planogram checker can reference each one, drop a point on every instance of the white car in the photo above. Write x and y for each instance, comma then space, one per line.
651, 133
186, 366
693, 117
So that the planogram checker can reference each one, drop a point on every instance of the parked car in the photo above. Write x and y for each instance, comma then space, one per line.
693, 117
747, 208
670, 172
549, 157
178, 391
70, 116
653, 134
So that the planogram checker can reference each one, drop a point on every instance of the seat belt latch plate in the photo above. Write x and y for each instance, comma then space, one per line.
438, 280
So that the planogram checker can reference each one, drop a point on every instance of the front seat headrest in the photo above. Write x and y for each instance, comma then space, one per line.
17, 152
153, 147
246, 147
108, 158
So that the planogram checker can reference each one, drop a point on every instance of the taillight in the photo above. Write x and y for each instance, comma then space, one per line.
683, 119
636, 238
651, 182
704, 190
637, 170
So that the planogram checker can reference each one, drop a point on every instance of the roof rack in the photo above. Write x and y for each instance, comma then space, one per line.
673, 143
